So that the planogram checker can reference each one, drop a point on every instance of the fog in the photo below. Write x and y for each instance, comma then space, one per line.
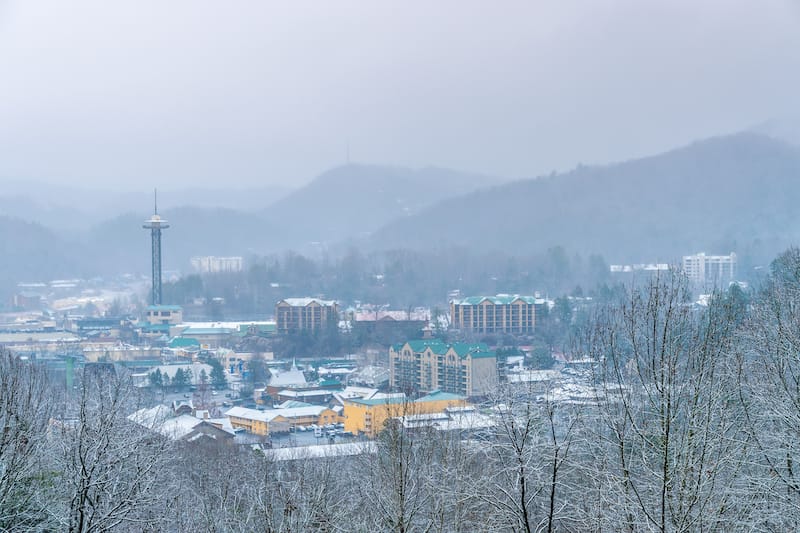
129, 95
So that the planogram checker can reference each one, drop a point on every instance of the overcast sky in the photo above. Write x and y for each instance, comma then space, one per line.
171, 93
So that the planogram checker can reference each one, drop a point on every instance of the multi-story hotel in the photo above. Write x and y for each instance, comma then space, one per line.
494, 314
293, 315
428, 365
710, 270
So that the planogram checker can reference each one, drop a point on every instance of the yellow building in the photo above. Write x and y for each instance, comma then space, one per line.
280, 420
494, 314
428, 365
305, 314
369, 416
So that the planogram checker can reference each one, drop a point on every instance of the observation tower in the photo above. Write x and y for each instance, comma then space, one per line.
155, 224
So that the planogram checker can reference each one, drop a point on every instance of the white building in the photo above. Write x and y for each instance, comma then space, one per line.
710, 270
212, 264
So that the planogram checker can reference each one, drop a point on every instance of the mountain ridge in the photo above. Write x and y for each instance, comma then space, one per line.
653, 208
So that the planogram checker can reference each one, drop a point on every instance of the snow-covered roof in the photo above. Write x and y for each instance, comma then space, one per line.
160, 419
320, 451
302, 302
288, 378
270, 414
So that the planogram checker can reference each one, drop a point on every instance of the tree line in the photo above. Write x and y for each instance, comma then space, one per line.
401, 278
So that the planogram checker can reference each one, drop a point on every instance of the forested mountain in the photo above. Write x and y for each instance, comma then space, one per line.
739, 192
122, 245
736, 193
68, 210
355, 200
31, 252
785, 128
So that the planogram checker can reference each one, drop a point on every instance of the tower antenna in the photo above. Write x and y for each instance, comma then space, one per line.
156, 224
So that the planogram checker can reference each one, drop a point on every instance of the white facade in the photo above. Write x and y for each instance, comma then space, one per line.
710, 270
212, 264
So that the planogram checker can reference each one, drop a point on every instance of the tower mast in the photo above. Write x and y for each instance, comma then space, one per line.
155, 224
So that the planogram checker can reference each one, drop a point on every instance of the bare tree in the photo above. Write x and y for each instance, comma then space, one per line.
25, 410
524, 481
769, 380
668, 439
112, 471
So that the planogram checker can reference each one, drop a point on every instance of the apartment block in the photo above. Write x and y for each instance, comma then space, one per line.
494, 314
710, 270
428, 365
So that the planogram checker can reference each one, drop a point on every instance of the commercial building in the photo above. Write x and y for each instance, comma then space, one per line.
494, 314
710, 270
427, 365
280, 420
160, 318
369, 416
385, 323
168, 315
293, 315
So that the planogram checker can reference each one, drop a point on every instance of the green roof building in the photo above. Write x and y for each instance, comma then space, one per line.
424, 366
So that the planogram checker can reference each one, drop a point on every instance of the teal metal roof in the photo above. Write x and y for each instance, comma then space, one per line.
379, 401
164, 308
500, 299
156, 327
206, 331
437, 395
291, 404
462, 349
183, 342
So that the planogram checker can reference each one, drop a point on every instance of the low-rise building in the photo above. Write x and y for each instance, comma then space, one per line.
427, 365
369, 416
272, 421
164, 314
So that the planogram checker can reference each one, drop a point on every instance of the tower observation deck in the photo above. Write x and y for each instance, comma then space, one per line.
155, 224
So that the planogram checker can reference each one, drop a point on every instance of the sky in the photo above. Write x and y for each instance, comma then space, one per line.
131, 95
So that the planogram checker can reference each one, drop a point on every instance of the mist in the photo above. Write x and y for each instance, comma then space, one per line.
133, 95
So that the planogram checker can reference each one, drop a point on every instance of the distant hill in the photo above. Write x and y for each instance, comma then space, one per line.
340, 204
68, 209
785, 129
740, 192
31, 252
121, 244
355, 200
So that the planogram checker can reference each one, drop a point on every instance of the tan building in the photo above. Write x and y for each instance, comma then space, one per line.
369, 416
428, 365
305, 314
280, 420
164, 314
494, 314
